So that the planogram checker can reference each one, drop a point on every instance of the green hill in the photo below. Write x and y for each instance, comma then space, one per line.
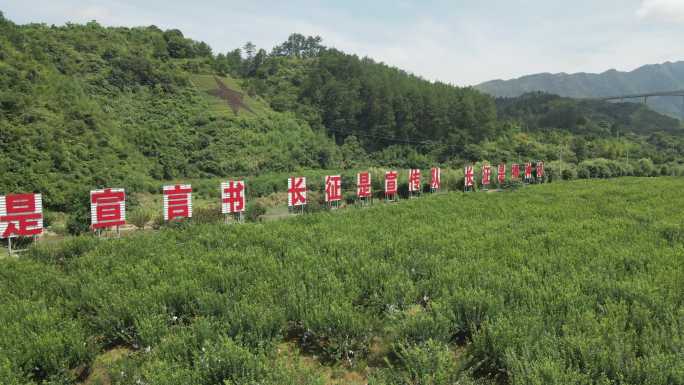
85, 106
649, 78
539, 111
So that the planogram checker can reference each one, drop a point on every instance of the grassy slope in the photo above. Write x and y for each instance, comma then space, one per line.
206, 83
563, 283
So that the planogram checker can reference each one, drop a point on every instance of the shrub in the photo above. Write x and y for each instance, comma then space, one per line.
211, 214
254, 211
63, 251
646, 167
570, 174
429, 363
78, 223
140, 217
158, 221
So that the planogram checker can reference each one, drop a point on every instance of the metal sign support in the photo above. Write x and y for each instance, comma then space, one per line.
13, 250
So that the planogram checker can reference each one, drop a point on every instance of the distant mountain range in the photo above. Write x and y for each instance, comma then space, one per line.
649, 78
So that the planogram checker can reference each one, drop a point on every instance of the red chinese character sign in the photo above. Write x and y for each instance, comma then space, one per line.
515, 171
501, 174
233, 197
296, 191
21, 215
528, 171
486, 175
435, 178
363, 185
107, 208
177, 202
333, 188
414, 181
391, 185
468, 178
540, 170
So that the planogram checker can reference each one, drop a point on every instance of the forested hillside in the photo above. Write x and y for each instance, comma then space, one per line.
649, 78
396, 115
84, 106
540, 111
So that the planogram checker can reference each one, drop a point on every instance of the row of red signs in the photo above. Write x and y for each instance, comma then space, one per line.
469, 174
333, 185
22, 214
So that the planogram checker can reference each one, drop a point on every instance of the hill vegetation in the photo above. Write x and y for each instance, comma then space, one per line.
84, 106
649, 78
572, 283
509, 288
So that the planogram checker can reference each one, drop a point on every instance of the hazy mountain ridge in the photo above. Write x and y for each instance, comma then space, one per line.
648, 78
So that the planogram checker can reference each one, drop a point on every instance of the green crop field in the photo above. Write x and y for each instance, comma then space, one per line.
565, 283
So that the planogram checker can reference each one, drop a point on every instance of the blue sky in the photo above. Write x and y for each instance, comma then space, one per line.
460, 42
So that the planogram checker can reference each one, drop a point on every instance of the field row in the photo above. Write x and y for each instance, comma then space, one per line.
571, 283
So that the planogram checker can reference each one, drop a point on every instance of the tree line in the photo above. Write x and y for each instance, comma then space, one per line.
87, 105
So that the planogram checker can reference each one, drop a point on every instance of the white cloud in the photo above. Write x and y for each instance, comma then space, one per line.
662, 10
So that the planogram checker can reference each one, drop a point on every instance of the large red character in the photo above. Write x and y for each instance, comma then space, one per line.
469, 176
107, 208
296, 191
21, 215
414, 180
501, 173
486, 174
177, 202
363, 184
435, 178
333, 188
232, 197
528, 170
391, 186
540, 170
515, 171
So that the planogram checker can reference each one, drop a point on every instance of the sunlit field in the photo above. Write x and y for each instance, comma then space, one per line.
564, 283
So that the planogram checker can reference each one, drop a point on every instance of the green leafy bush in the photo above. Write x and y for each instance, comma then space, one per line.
140, 217
254, 211
428, 363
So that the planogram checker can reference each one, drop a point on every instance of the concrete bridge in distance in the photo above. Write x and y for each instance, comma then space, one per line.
645, 96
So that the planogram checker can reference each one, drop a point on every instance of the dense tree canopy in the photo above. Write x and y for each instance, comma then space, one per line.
353, 96
383, 107
83, 106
